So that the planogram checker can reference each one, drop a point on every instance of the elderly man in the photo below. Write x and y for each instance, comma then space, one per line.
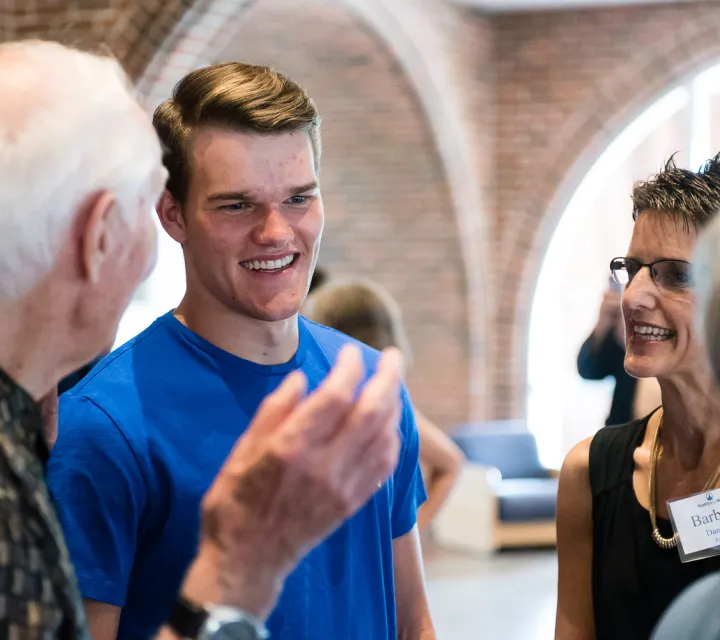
80, 169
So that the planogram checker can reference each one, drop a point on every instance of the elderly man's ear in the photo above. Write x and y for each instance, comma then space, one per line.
99, 223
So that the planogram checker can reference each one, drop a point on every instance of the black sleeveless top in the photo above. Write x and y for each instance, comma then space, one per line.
633, 580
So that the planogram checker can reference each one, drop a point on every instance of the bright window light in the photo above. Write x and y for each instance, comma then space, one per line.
160, 293
596, 227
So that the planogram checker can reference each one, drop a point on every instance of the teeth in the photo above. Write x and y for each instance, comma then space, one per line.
268, 265
653, 333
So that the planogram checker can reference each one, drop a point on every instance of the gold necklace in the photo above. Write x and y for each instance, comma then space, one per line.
660, 541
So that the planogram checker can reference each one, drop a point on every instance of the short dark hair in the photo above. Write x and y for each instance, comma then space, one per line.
236, 96
691, 198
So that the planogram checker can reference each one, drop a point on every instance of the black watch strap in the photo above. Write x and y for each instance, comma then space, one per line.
187, 619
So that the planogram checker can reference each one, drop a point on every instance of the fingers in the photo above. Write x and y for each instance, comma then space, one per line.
346, 375
325, 411
280, 404
382, 462
376, 460
387, 378
372, 425
326, 455
377, 401
391, 361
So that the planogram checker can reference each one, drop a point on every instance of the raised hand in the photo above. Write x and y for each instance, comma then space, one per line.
303, 467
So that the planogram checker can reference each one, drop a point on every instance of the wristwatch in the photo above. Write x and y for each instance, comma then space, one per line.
210, 622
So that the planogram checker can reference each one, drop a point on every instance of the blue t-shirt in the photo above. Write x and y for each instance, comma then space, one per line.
141, 439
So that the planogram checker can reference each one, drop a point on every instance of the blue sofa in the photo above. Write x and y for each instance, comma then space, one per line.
505, 497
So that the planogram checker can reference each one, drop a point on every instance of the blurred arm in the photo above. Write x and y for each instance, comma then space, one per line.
442, 459
601, 355
413, 614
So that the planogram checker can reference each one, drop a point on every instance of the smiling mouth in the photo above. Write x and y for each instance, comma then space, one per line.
652, 334
269, 266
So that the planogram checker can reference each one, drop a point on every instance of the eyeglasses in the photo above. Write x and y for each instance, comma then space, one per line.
668, 274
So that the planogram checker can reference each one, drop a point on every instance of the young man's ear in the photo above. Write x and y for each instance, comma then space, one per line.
97, 234
171, 217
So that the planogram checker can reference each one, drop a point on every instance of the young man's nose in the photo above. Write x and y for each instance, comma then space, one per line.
273, 229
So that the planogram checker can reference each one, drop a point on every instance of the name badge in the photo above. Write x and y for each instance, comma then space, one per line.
696, 521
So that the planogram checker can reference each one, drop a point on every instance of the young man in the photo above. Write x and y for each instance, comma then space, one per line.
77, 180
143, 436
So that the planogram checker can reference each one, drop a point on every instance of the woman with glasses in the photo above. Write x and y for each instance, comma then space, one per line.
619, 566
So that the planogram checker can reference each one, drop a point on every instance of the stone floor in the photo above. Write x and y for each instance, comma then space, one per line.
509, 596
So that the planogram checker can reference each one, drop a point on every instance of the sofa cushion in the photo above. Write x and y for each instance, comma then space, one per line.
514, 453
528, 499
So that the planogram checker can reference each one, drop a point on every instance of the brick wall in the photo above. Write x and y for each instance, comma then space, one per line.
390, 213
456, 95
131, 30
485, 126
388, 210
566, 83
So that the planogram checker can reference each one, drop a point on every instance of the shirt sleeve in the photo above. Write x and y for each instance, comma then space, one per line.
694, 613
100, 496
409, 488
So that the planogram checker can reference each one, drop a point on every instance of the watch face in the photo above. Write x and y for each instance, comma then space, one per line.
235, 630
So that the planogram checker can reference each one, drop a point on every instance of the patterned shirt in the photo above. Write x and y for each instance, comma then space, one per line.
39, 597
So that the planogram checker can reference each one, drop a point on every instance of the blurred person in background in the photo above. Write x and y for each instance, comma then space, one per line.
143, 436
80, 169
602, 355
367, 312
619, 567
318, 279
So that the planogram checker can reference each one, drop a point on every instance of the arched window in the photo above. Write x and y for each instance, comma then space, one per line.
595, 227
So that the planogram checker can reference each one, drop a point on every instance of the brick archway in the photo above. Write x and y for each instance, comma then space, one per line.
191, 42
204, 30
133, 31
615, 102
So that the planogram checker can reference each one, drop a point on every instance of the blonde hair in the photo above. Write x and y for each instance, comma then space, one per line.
362, 310
236, 96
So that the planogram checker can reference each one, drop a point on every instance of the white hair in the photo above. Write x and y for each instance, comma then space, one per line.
70, 127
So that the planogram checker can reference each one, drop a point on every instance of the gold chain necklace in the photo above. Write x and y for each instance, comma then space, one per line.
660, 541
